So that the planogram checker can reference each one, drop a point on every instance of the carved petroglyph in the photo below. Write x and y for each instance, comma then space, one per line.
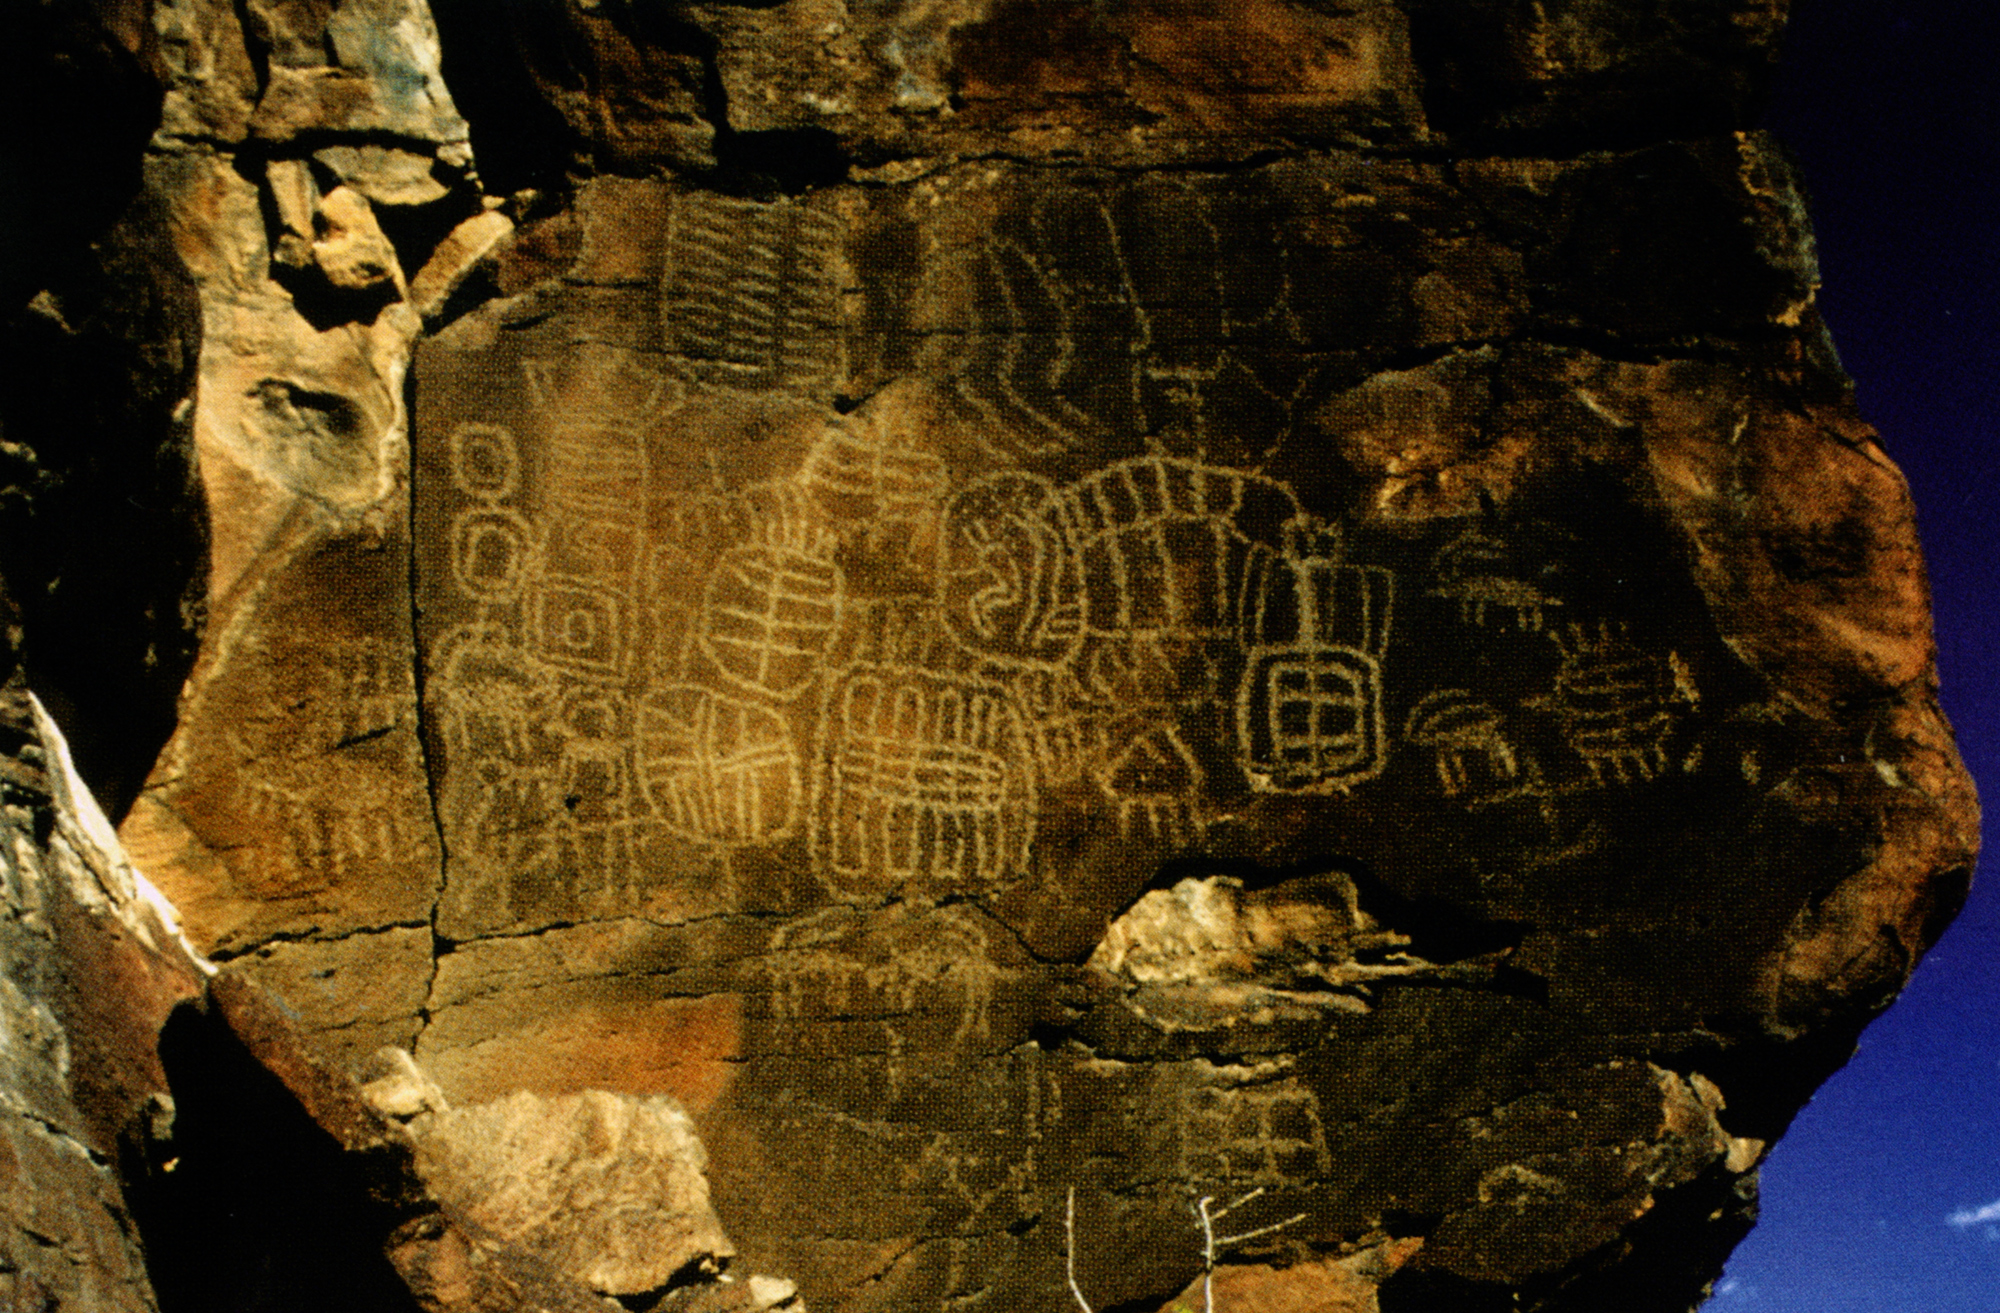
870, 484
1263, 1133
324, 839
932, 968
717, 768
1014, 376
1060, 342
1491, 583
1477, 762
1617, 703
1009, 583
1309, 713
1154, 783
595, 407
485, 461
923, 783
771, 608
490, 553
1164, 544
752, 290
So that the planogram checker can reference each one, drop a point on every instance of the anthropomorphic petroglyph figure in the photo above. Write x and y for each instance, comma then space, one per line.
1309, 713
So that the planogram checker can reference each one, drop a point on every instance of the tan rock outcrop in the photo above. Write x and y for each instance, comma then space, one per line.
1012, 602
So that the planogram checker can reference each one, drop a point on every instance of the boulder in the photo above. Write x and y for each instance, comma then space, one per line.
1043, 613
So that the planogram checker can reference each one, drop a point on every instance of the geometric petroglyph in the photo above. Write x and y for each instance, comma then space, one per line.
1617, 703
1153, 782
1164, 543
1010, 586
1476, 762
1267, 1133
1309, 711
880, 494
490, 544
752, 289
327, 838
490, 549
934, 965
770, 611
580, 627
1016, 371
596, 406
485, 461
923, 782
715, 768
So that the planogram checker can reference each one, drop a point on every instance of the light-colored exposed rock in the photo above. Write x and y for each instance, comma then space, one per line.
94, 962
607, 1188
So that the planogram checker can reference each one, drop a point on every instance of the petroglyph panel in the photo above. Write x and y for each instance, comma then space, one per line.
868, 597
931, 971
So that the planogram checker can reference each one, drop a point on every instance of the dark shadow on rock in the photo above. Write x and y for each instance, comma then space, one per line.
252, 1207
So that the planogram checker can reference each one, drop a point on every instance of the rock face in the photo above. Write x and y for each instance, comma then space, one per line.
93, 966
1024, 616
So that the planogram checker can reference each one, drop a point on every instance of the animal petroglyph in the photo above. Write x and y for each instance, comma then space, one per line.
1011, 587
752, 289
1493, 582
716, 768
924, 783
1309, 713
1617, 703
1477, 762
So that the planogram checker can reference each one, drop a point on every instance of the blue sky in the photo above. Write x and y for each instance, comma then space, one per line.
1885, 1195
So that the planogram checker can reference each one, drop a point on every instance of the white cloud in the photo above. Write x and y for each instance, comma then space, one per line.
1965, 1217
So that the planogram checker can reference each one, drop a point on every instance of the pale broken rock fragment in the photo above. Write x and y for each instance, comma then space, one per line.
1210, 952
607, 1188
472, 241
349, 245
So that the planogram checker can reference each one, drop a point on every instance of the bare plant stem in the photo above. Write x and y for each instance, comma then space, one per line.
1212, 1245
1069, 1252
